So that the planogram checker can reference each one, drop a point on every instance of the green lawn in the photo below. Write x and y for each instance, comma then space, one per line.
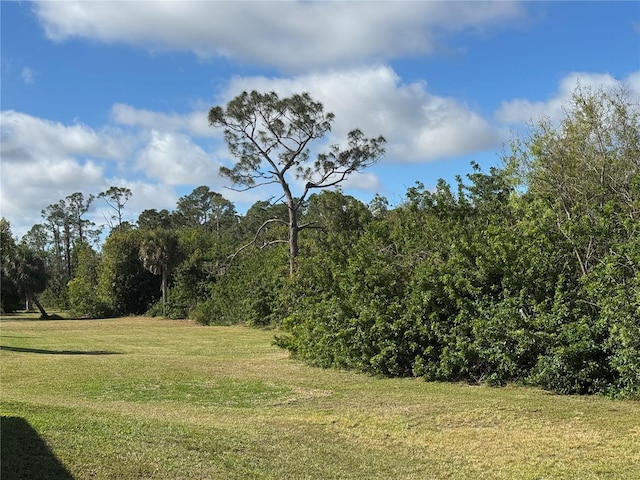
148, 398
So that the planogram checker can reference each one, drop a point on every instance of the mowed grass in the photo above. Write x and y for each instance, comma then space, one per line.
141, 398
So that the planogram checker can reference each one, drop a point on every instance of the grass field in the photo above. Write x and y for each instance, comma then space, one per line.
140, 398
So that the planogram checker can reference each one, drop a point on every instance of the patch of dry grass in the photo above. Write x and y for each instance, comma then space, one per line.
150, 398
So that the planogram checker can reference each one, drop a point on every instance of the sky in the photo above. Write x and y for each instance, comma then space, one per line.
97, 94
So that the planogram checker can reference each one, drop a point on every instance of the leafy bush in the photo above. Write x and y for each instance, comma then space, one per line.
84, 300
247, 292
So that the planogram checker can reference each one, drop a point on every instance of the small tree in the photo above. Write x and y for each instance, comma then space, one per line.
270, 137
84, 298
586, 168
116, 198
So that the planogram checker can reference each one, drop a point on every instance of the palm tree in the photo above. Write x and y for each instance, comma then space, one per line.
159, 253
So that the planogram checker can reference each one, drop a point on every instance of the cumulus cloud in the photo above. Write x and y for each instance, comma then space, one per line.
418, 125
176, 160
520, 111
365, 182
194, 123
292, 35
146, 195
52, 174
30, 139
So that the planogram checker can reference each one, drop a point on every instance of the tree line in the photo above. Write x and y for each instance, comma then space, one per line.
527, 273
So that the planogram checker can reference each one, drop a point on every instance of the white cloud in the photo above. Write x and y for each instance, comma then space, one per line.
51, 174
175, 160
29, 139
291, 35
194, 123
418, 126
520, 111
147, 195
365, 182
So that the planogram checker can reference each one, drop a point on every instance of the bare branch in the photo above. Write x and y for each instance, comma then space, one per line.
255, 238
273, 242
251, 187
312, 225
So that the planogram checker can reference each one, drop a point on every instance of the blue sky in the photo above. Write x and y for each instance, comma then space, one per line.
95, 94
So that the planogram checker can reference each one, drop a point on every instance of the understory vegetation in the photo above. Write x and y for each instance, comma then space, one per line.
526, 273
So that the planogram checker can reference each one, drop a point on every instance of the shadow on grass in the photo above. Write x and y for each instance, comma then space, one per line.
24, 455
57, 352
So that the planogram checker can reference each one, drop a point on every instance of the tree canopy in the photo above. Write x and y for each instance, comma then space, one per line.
270, 138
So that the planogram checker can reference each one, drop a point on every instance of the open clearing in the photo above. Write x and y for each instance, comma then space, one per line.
141, 398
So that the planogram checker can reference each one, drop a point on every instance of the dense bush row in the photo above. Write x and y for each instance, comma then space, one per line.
529, 273
475, 289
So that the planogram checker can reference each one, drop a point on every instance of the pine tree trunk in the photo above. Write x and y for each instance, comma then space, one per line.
293, 242
164, 291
